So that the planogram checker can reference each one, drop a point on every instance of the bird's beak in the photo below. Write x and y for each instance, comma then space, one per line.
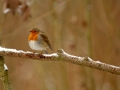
31, 31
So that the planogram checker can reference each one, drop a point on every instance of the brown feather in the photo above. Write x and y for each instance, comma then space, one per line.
45, 38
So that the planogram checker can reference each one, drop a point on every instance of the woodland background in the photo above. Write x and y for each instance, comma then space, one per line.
81, 27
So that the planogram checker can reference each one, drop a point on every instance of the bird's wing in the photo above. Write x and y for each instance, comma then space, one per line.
45, 38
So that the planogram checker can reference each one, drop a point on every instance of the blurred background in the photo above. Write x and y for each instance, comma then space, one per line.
81, 27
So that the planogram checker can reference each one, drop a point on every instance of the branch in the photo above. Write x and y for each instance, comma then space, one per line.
4, 75
61, 56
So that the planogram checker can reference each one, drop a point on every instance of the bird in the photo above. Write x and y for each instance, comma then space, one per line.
38, 41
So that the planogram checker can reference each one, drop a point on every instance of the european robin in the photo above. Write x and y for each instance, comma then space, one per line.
38, 41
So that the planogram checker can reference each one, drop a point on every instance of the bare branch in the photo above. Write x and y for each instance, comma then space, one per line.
61, 56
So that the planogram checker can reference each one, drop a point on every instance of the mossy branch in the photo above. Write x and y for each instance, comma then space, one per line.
4, 75
61, 56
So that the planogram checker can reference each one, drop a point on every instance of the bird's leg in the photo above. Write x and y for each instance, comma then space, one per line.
46, 51
41, 52
34, 51
32, 54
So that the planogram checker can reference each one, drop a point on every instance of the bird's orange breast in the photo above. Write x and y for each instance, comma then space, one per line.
33, 36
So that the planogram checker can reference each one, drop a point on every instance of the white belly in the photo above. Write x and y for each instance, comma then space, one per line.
36, 46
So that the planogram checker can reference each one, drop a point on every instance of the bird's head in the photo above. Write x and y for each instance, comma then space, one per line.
36, 31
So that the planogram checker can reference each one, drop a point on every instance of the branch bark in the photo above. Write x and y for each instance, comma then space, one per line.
4, 73
61, 56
